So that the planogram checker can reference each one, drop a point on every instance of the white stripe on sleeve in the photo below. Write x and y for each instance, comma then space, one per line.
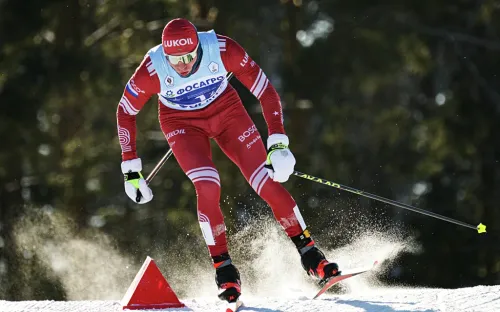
127, 107
260, 85
256, 81
263, 88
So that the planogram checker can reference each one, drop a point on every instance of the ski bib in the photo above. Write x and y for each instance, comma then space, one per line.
201, 88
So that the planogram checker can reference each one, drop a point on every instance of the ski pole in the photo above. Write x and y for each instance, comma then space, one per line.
481, 228
158, 166
153, 173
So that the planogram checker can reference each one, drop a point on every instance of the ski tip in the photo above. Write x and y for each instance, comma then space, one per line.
234, 306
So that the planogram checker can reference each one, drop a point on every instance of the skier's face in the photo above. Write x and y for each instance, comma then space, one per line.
183, 64
182, 68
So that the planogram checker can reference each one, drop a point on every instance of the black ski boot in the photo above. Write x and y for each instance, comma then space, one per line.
227, 278
313, 260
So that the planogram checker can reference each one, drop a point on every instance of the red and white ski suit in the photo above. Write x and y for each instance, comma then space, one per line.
227, 122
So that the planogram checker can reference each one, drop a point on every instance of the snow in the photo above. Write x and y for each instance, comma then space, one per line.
95, 276
381, 299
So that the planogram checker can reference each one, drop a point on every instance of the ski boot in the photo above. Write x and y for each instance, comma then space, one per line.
313, 260
227, 278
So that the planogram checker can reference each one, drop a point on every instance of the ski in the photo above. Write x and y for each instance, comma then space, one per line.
234, 306
334, 280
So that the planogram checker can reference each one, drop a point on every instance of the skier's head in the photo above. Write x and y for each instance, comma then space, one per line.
181, 45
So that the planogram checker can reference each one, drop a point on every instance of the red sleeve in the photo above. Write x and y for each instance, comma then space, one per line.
141, 86
237, 61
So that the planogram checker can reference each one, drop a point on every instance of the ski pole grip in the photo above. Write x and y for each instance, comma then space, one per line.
138, 197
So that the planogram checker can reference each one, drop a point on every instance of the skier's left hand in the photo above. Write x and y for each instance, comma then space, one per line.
280, 162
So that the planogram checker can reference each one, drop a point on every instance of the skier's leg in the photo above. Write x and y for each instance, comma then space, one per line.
242, 143
191, 148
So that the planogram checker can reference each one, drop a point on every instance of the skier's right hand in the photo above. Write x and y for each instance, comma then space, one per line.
135, 185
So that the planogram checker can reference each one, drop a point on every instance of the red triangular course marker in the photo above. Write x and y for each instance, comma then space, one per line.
150, 290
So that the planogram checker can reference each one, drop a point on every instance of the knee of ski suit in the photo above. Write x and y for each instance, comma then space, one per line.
207, 191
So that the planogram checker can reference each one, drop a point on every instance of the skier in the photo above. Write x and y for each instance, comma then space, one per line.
188, 71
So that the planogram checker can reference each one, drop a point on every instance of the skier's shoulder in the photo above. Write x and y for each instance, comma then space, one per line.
230, 50
153, 50
145, 77
146, 67
226, 39
215, 38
